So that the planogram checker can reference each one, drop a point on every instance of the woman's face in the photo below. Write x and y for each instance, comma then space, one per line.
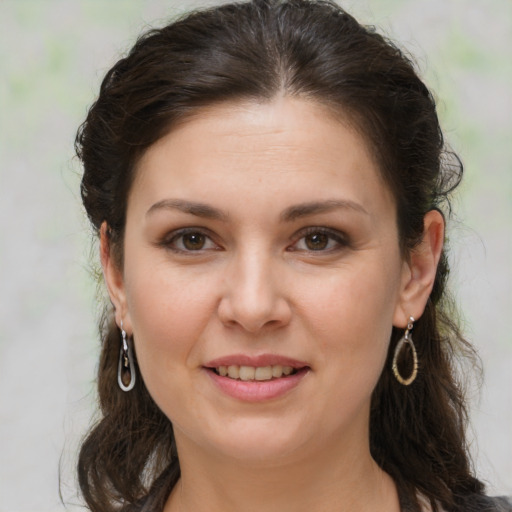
261, 240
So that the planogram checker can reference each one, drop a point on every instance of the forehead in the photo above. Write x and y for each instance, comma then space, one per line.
286, 145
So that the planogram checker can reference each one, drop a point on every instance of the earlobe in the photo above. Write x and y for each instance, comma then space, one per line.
419, 271
113, 276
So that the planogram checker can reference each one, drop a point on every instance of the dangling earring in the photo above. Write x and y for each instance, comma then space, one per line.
126, 367
406, 339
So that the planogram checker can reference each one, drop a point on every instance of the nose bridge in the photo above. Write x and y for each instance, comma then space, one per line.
253, 297
254, 269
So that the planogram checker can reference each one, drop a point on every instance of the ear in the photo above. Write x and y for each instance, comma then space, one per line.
114, 280
419, 272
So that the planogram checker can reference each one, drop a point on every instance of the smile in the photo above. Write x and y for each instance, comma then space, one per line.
256, 378
259, 373
257, 382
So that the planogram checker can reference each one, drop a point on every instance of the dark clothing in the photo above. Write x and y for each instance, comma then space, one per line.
473, 503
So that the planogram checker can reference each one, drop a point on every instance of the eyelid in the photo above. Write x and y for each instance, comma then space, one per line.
170, 238
342, 240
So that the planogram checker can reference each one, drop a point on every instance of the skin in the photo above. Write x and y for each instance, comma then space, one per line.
267, 275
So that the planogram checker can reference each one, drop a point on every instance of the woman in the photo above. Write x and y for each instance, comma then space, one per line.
267, 181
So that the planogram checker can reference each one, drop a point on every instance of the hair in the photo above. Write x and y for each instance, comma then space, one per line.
256, 51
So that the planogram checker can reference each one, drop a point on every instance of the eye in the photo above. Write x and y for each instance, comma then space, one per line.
189, 241
317, 241
320, 239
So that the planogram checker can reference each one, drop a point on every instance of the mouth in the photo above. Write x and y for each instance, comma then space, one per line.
257, 378
255, 373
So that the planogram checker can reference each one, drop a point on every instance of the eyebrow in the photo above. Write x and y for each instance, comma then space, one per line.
191, 207
305, 209
289, 215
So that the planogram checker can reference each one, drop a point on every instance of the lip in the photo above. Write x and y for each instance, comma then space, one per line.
259, 360
257, 391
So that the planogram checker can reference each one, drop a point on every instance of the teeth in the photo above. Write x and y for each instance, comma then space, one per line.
246, 373
233, 372
277, 370
263, 373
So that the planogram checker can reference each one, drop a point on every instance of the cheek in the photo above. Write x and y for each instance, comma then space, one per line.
169, 313
352, 315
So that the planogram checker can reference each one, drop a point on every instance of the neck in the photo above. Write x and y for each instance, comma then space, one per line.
327, 481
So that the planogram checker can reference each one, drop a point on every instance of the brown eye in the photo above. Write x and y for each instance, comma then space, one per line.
316, 241
193, 241
321, 240
189, 240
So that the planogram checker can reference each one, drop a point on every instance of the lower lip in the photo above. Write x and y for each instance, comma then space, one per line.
257, 391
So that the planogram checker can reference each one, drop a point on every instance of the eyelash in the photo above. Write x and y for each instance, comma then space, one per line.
170, 241
335, 240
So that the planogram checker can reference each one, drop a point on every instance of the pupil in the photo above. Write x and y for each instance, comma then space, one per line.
317, 241
193, 241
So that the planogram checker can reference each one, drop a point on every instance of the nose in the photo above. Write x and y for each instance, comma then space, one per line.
254, 298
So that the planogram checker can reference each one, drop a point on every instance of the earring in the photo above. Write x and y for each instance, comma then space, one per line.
406, 340
126, 367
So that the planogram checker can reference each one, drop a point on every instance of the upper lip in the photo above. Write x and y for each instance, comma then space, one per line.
255, 361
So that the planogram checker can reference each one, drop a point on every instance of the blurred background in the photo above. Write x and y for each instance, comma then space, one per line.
53, 54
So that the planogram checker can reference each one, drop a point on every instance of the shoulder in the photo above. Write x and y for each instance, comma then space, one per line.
498, 504
479, 503
474, 503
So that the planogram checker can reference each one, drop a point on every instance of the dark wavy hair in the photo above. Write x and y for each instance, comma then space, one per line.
258, 50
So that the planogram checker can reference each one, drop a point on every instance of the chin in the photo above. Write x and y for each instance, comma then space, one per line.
256, 441
264, 452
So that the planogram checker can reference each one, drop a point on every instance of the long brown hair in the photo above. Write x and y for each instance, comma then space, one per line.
258, 49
